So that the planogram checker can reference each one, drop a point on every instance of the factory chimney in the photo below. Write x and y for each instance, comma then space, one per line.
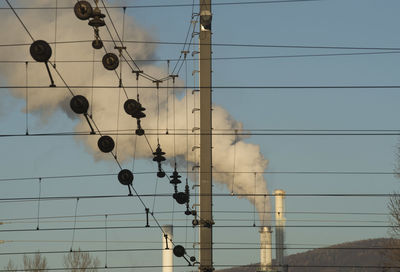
265, 248
280, 228
167, 247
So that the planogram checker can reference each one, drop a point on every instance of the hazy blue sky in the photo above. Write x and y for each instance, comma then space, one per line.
325, 23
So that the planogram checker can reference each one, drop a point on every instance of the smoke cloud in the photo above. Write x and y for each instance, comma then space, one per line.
106, 105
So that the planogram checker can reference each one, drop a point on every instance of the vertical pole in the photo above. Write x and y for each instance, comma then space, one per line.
206, 220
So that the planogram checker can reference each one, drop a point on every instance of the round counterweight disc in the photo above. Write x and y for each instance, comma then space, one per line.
125, 177
106, 144
110, 61
79, 104
40, 51
83, 10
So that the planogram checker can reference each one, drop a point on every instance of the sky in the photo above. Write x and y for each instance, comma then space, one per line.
276, 38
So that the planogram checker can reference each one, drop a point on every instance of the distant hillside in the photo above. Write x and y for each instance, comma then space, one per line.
349, 254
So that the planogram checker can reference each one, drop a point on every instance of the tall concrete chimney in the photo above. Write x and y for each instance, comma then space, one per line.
167, 247
265, 248
280, 228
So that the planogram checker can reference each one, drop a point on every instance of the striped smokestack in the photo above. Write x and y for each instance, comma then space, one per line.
167, 247
280, 228
265, 248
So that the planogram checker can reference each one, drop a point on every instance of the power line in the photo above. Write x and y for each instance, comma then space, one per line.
220, 87
5, 220
49, 198
19, 19
216, 172
221, 58
314, 246
224, 266
184, 226
177, 5
47, 221
241, 130
327, 47
274, 134
198, 134
72, 93
216, 248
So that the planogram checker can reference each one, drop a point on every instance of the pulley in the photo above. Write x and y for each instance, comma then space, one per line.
125, 177
110, 61
83, 10
179, 251
105, 144
97, 44
79, 104
40, 51
180, 197
131, 106
139, 114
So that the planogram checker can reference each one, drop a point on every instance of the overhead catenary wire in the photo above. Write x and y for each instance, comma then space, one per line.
120, 85
261, 57
219, 226
26, 99
55, 177
106, 239
55, 33
186, 43
226, 266
66, 85
157, 131
222, 219
152, 215
331, 249
91, 89
91, 118
19, 19
140, 196
74, 228
218, 87
30, 35
38, 204
123, 48
199, 134
292, 245
251, 45
177, 5
5, 220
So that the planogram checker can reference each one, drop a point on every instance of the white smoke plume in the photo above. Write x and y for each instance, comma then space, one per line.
107, 104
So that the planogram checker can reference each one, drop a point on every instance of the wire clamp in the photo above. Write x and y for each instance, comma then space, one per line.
137, 72
173, 77
157, 82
